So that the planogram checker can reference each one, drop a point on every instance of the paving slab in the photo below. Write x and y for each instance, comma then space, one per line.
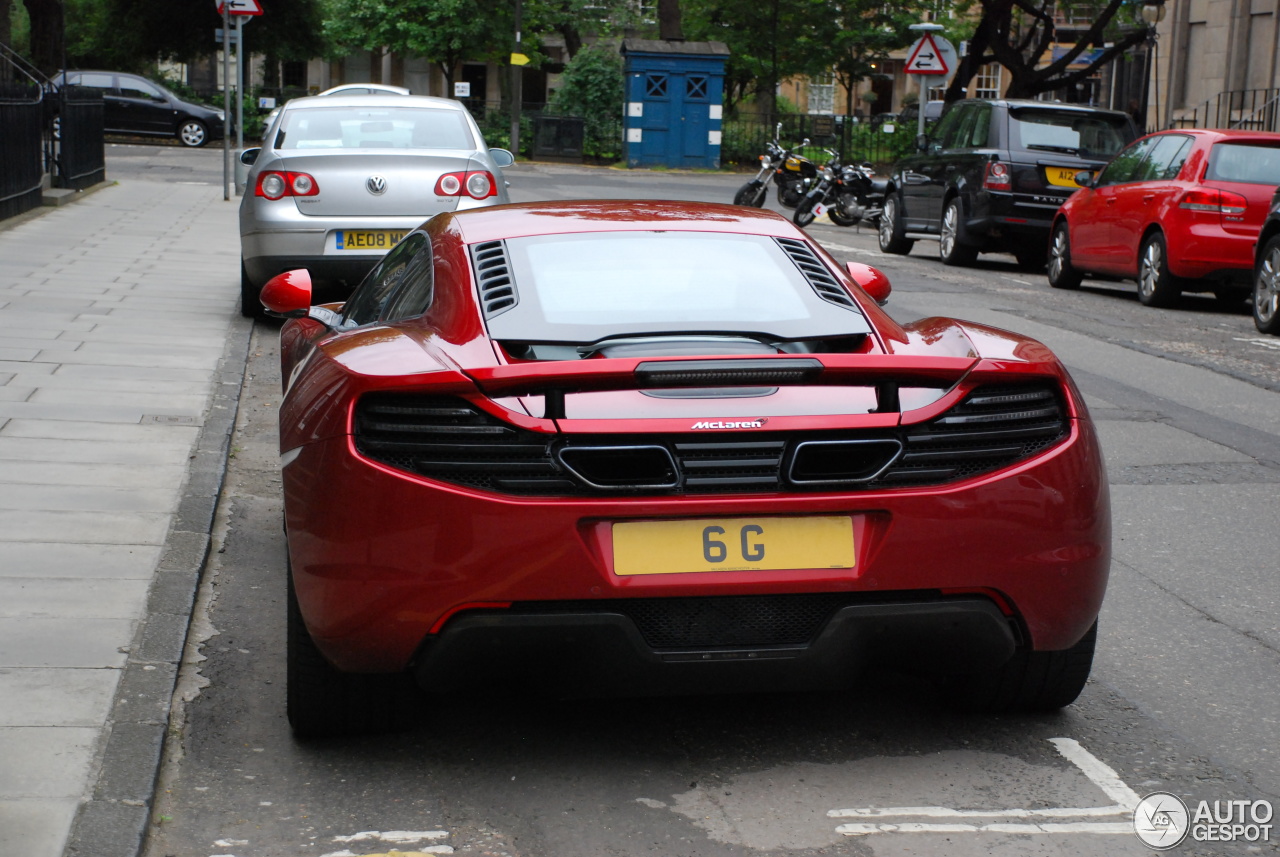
47, 597
68, 430
85, 561
116, 528
35, 828
93, 451
44, 761
82, 473
55, 697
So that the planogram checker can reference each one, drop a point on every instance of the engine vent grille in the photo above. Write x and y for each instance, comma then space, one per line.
827, 286
447, 438
493, 275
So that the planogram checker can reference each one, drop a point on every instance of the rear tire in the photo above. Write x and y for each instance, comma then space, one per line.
1266, 288
250, 305
323, 702
1156, 286
751, 194
1061, 273
893, 238
804, 211
952, 248
1032, 681
837, 215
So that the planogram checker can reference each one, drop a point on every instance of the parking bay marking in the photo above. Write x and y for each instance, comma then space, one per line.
1098, 773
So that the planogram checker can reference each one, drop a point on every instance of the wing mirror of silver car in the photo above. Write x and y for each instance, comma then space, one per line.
248, 156
502, 157
1084, 178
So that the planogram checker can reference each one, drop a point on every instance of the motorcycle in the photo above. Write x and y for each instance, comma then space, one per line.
790, 172
846, 193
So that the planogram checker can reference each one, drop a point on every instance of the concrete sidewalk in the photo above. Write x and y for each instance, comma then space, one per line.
121, 354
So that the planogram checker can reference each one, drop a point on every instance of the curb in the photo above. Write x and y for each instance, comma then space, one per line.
112, 822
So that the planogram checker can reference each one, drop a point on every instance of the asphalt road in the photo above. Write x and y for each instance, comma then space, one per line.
1185, 696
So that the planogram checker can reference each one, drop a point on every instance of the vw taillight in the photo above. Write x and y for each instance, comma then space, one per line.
1214, 201
276, 185
477, 184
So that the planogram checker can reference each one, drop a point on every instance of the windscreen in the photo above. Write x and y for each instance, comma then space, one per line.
1089, 135
1248, 163
374, 128
586, 287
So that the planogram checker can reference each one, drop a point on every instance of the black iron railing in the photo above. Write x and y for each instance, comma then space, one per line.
21, 129
81, 158
1250, 109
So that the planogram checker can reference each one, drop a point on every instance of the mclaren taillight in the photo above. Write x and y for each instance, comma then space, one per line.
1214, 201
477, 184
275, 185
997, 176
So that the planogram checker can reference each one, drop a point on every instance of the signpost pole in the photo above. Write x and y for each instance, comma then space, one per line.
240, 60
226, 101
517, 95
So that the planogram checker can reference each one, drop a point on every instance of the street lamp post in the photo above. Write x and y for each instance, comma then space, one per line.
1153, 12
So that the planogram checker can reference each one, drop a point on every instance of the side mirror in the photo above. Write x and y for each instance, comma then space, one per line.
248, 156
288, 294
872, 280
502, 157
1084, 178
922, 142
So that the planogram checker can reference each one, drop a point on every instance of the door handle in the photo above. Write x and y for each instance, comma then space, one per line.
1147, 197
1111, 200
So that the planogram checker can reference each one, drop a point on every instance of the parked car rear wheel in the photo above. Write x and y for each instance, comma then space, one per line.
893, 238
193, 133
1156, 286
320, 701
1061, 274
952, 248
1266, 288
1032, 681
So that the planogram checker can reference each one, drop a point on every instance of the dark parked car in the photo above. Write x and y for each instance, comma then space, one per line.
131, 104
1266, 272
990, 175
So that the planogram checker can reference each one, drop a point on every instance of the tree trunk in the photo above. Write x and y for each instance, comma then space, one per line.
46, 34
669, 21
572, 40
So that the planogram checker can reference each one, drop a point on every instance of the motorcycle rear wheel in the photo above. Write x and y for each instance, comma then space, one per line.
839, 218
804, 211
752, 194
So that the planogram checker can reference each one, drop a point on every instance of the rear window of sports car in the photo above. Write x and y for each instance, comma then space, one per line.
581, 288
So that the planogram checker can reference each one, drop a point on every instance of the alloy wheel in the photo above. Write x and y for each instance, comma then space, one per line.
887, 217
1266, 294
950, 227
1058, 255
1149, 269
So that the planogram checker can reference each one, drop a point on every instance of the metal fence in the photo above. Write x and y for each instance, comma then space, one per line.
81, 158
22, 121
1251, 109
745, 135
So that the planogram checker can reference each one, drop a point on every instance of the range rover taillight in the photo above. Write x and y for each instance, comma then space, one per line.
998, 176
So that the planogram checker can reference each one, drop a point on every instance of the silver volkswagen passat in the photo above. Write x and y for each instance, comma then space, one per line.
341, 179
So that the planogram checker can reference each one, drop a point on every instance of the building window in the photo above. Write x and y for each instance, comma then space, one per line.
987, 82
822, 94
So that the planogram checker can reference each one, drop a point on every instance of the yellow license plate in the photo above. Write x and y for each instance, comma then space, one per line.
367, 239
1061, 176
732, 544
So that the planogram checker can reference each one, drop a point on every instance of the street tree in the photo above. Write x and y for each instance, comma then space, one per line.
769, 41
868, 30
1017, 34
445, 32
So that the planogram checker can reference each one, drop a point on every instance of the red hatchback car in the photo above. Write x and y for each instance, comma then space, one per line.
656, 447
1178, 211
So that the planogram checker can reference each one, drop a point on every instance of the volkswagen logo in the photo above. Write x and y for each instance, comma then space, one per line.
377, 185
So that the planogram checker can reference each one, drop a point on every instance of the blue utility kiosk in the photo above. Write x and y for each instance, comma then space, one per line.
674, 103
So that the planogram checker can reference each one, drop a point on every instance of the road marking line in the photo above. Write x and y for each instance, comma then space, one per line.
947, 812
1103, 777
1098, 773
846, 249
394, 836
1273, 344
1110, 828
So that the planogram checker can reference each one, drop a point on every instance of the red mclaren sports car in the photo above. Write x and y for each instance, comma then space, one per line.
660, 447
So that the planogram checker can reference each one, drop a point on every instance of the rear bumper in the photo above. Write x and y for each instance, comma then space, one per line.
604, 652
1208, 251
1003, 221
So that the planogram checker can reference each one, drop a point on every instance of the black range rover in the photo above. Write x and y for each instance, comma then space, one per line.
990, 175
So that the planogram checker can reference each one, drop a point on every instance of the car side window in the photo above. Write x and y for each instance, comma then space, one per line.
91, 79
370, 297
132, 87
1166, 158
981, 128
1127, 165
959, 138
417, 287
945, 129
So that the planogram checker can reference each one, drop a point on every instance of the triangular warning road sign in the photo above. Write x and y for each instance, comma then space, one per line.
925, 58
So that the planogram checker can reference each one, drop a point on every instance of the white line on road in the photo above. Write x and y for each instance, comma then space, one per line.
1098, 773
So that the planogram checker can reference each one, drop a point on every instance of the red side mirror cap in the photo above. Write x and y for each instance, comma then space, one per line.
872, 280
288, 293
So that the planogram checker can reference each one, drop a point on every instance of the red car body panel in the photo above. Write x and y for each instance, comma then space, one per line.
1107, 224
383, 558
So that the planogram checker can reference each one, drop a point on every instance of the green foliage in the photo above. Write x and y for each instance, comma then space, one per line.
444, 31
591, 87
